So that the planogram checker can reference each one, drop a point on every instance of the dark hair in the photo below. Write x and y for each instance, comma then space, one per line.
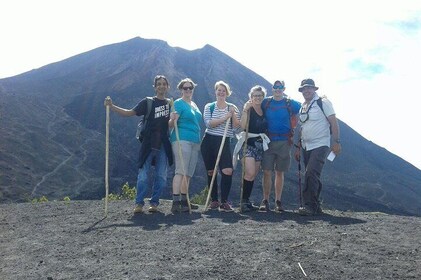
159, 77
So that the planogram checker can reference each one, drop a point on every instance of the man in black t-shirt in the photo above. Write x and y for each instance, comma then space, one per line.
156, 148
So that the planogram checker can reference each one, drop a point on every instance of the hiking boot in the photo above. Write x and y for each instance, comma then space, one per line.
175, 206
225, 207
318, 211
214, 205
184, 206
305, 212
264, 206
138, 209
247, 206
278, 207
153, 208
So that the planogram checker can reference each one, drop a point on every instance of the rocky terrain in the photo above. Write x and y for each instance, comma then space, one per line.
73, 240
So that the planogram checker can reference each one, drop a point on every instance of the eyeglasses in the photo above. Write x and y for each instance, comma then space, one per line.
278, 87
188, 88
257, 95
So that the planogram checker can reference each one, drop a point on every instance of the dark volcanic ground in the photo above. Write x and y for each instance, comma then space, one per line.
72, 240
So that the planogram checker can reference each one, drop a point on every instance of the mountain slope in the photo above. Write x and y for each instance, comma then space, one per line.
53, 123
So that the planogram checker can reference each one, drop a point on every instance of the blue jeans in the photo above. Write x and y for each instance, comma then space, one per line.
160, 178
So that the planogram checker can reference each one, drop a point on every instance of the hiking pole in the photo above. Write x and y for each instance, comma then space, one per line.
243, 174
180, 154
107, 149
217, 163
299, 181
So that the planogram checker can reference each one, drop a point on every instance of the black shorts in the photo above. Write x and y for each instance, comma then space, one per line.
210, 148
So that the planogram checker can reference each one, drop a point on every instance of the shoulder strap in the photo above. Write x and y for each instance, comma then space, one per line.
212, 107
320, 103
149, 101
288, 102
268, 102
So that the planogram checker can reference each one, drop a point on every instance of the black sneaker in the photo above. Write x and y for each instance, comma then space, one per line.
194, 206
264, 206
247, 206
278, 207
303, 211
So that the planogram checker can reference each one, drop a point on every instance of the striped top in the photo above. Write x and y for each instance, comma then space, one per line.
218, 114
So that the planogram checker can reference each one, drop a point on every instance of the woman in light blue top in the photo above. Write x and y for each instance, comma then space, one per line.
187, 116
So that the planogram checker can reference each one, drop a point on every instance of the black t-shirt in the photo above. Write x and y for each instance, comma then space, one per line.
157, 125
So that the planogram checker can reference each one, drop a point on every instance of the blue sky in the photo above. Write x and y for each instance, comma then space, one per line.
364, 55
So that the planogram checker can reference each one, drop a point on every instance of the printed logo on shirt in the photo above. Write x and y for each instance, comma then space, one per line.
162, 111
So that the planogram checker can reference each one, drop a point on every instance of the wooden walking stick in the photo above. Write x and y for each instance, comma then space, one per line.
180, 154
217, 163
244, 160
107, 149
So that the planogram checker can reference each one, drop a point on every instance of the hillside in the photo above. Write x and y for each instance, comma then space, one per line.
53, 124
72, 240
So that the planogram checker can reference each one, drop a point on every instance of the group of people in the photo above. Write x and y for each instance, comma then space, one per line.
264, 129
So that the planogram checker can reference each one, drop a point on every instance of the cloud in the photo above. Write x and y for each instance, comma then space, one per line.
410, 26
365, 70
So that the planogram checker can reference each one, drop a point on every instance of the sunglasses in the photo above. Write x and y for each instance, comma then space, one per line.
278, 87
257, 95
188, 88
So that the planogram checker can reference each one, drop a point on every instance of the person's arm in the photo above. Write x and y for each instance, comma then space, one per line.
235, 113
121, 111
333, 121
246, 111
173, 116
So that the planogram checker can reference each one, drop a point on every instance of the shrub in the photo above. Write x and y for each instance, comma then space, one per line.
127, 193
201, 197
40, 200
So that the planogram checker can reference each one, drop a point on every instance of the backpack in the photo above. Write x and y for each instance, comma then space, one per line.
144, 120
293, 119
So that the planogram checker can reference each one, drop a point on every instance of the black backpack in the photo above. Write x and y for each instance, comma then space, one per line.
144, 120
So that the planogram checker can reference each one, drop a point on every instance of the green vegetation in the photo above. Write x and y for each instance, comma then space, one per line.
127, 193
201, 197
40, 200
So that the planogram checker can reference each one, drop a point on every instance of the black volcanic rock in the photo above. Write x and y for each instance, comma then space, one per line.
53, 123
73, 240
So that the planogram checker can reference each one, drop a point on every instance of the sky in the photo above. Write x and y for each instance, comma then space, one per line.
364, 55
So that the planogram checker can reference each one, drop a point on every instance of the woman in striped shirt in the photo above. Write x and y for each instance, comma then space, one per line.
216, 114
